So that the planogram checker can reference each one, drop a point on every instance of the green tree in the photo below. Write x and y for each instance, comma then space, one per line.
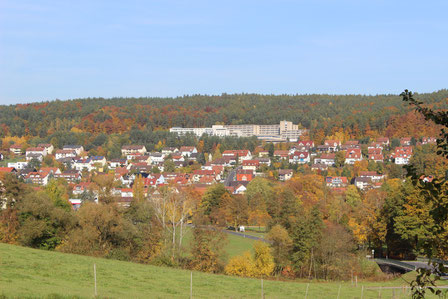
169, 166
306, 234
43, 224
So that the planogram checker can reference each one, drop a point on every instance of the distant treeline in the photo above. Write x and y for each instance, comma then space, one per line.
91, 121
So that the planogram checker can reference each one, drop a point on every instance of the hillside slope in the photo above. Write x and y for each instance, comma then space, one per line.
34, 273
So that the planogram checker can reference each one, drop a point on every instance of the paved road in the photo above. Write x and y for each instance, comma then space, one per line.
231, 177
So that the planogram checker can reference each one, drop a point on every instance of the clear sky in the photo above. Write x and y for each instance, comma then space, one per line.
71, 49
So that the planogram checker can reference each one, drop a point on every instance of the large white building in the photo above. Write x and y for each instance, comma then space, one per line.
285, 130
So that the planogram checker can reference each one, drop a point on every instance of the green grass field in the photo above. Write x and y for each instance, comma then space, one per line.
31, 273
234, 245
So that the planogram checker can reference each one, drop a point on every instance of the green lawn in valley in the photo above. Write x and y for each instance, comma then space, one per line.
32, 273
234, 245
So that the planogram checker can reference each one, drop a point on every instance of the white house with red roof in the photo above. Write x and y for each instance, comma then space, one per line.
402, 155
353, 155
251, 164
299, 158
336, 182
48, 147
187, 151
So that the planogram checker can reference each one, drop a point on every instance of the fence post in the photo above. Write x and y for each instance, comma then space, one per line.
356, 280
191, 285
379, 291
339, 291
306, 293
262, 292
94, 278
362, 292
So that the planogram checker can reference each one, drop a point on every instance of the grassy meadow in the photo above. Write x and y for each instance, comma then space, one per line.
31, 273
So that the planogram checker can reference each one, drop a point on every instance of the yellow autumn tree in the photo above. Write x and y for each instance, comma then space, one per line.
261, 264
263, 260
241, 265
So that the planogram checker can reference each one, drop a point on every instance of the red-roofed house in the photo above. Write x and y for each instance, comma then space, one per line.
244, 175
336, 182
402, 155
281, 154
299, 158
251, 164
353, 155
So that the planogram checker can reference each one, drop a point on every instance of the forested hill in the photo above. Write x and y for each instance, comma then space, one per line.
356, 115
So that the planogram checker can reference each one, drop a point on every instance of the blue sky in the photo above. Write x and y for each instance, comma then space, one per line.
71, 49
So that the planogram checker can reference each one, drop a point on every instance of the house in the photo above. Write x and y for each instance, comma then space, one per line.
336, 182
199, 174
4, 170
244, 175
376, 157
383, 140
377, 145
264, 161
263, 153
71, 176
251, 164
99, 160
285, 174
352, 144
52, 170
299, 158
405, 141
281, 154
353, 155
319, 167
178, 158
133, 149
61, 154
327, 159
16, 149
80, 188
35, 153
169, 150
138, 158
186, 151
76, 203
81, 164
374, 150
305, 144
38, 157
115, 163
333, 145
77, 148
238, 187
241, 154
38, 178
429, 140
156, 157
402, 155
48, 147
323, 149
363, 183
18, 165
373, 175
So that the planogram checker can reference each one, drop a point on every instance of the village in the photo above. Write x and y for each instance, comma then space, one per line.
234, 168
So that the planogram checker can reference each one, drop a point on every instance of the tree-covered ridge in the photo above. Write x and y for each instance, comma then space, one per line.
354, 113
